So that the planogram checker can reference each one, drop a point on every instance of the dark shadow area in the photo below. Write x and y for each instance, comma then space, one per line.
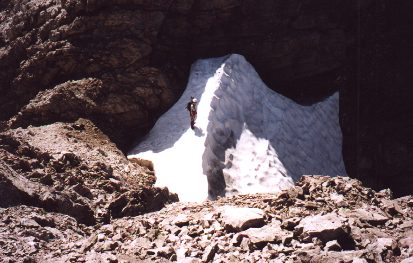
376, 98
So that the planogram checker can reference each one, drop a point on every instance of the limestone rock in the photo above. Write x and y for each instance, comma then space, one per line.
241, 218
370, 215
321, 235
181, 220
210, 252
16, 189
290, 223
73, 168
270, 233
325, 227
407, 243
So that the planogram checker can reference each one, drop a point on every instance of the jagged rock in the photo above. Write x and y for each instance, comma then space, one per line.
270, 233
370, 215
338, 199
382, 248
101, 237
27, 230
17, 189
52, 237
132, 203
325, 227
181, 220
241, 218
391, 207
210, 252
109, 245
84, 172
290, 223
89, 243
408, 224
407, 243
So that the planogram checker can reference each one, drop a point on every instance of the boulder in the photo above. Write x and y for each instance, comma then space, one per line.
326, 227
210, 252
382, 248
371, 215
290, 223
181, 220
241, 218
271, 233
406, 244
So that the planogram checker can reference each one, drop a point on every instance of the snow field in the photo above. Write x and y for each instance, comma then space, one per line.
248, 138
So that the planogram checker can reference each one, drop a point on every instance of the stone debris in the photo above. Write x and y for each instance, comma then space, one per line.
245, 228
57, 167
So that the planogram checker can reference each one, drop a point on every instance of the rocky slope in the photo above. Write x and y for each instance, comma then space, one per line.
321, 219
73, 168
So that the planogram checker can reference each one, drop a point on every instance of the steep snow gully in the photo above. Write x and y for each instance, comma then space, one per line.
248, 138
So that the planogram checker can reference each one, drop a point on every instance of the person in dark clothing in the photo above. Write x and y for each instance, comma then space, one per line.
191, 107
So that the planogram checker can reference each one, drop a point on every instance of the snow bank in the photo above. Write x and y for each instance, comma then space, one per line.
248, 138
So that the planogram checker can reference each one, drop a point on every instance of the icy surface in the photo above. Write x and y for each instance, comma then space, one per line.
247, 139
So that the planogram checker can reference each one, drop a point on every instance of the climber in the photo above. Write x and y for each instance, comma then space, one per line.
191, 107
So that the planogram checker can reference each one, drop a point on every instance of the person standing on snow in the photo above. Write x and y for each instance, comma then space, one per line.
191, 107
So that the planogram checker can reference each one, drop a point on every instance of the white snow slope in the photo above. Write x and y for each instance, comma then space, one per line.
248, 138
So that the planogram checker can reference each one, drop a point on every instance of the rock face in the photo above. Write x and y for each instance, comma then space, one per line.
121, 63
103, 47
128, 59
308, 227
74, 169
375, 104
